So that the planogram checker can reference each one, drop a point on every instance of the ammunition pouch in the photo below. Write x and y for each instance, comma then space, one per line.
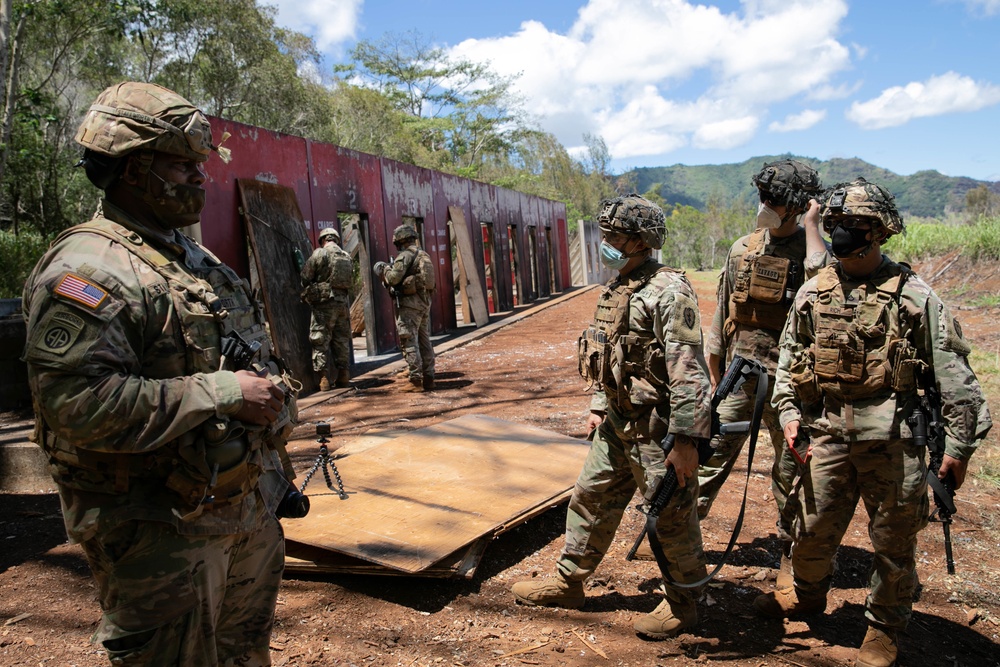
592, 356
408, 286
317, 293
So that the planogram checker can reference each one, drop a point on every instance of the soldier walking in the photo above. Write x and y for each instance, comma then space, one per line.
327, 278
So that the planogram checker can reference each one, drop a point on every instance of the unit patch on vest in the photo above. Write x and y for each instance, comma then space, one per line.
80, 290
685, 325
61, 330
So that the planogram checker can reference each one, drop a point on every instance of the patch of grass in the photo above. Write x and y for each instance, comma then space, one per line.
986, 364
986, 301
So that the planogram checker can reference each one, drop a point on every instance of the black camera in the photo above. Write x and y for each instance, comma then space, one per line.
294, 504
322, 429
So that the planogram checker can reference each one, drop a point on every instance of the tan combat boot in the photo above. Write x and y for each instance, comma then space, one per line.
411, 386
343, 378
644, 552
786, 603
878, 649
555, 592
324, 384
785, 577
667, 620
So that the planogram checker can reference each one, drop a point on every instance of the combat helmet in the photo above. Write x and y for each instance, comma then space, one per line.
633, 214
788, 183
133, 115
861, 199
403, 233
327, 232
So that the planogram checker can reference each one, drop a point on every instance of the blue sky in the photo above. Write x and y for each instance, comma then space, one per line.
904, 84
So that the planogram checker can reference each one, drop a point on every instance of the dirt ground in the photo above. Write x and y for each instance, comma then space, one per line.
526, 373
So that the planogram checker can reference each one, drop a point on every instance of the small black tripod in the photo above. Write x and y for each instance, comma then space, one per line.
325, 461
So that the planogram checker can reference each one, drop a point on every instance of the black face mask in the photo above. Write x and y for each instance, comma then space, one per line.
846, 241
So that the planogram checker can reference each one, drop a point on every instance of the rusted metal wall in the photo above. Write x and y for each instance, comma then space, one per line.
328, 180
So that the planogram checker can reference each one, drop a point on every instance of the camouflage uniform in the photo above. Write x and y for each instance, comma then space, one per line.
330, 324
413, 316
642, 404
172, 500
862, 446
751, 329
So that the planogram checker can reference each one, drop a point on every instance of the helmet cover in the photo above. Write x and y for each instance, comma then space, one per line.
788, 183
402, 233
635, 215
329, 232
861, 199
133, 115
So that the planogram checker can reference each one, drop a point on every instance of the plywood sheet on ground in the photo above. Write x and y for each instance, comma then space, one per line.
421, 498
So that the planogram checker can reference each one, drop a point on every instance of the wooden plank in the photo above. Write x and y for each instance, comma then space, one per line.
275, 228
425, 495
477, 297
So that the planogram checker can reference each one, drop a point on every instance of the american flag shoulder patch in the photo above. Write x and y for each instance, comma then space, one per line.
80, 290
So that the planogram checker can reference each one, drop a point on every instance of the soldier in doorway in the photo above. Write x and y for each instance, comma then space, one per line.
411, 281
327, 278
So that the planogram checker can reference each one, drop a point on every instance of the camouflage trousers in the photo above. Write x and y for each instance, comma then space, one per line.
330, 330
414, 328
186, 600
890, 477
621, 460
738, 406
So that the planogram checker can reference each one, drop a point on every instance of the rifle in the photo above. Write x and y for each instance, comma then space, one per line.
379, 268
738, 372
928, 431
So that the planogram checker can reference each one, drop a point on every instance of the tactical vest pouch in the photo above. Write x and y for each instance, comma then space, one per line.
342, 273
316, 293
804, 380
591, 355
408, 286
424, 274
870, 319
905, 365
767, 282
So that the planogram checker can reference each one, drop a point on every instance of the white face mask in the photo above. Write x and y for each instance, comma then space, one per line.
767, 218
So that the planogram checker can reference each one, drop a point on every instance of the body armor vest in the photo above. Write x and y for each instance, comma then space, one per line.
862, 345
764, 287
612, 357
219, 462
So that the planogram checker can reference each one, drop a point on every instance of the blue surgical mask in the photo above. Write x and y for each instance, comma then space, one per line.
612, 257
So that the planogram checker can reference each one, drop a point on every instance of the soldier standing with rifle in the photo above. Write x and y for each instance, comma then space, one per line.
644, 356
168, 454
757, 287
327, 278
410, 278
859, 337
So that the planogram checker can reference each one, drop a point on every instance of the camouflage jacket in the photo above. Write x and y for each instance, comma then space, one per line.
758, 343
663, 310
119, 405
922, 319
402, 267
324, 265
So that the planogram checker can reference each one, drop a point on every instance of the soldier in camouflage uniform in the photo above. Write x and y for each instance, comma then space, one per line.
756, 289
169, 459
411, 280
326, 278
861, 337
644, 356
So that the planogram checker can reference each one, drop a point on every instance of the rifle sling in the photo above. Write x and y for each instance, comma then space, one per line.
650, 529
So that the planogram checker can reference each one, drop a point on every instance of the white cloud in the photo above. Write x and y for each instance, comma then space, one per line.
987, 7
939, 95
330, 22
799, 121
651, 76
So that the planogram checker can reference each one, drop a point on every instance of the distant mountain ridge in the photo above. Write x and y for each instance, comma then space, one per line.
928, 194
